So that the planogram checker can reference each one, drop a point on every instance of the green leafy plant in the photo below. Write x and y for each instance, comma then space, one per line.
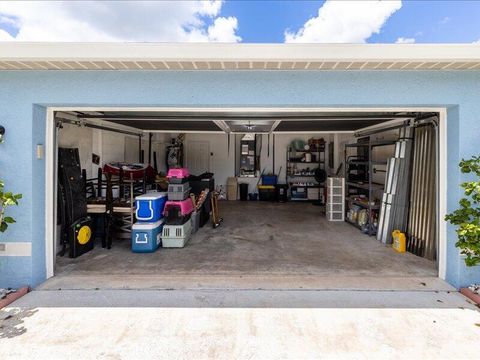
7, 199
467, 217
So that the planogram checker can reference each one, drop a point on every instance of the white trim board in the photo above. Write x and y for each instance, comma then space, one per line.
223, 56
442, 190
50, 192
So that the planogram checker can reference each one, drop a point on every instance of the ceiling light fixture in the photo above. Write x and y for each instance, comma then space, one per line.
249, 126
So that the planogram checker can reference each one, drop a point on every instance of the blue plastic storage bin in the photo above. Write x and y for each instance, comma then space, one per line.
147, 237
149, 207
269, 180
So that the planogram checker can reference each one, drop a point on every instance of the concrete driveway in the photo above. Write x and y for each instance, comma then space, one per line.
244, 324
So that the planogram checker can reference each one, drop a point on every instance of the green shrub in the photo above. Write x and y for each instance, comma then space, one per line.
467, 217
6, 199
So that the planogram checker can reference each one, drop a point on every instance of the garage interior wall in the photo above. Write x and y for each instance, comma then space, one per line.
109, 145
112, 146
222, 159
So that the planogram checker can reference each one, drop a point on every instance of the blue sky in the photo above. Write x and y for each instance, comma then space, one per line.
242, 21
426, 21
433, 22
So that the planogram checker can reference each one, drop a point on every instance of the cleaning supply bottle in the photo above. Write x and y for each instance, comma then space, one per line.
399, 241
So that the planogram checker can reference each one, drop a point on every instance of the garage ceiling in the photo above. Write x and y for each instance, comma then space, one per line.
252, 115
239, 121
170, 125
326, 125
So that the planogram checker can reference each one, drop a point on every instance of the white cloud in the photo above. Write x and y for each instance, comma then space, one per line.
5, 36
223, 30
211, 7
143, 21
345, 22
402, 40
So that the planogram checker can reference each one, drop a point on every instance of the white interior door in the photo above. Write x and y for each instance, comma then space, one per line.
198, 157
131, 149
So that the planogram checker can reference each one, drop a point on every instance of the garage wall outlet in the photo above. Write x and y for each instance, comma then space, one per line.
20, 248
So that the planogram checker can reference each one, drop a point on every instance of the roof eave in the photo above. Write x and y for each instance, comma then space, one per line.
283, 54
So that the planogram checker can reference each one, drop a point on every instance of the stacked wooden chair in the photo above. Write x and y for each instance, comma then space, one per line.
111, 200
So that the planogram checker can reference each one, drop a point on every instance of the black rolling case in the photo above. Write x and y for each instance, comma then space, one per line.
77, 226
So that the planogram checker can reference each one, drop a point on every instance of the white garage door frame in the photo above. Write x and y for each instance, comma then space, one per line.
51, 175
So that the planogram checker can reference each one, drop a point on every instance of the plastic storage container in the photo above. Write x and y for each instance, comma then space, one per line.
178, 191
149, 207
299, 193
266, 192
269, 180
176, 235
178, 212
197, 186
178, 176
195, 221
146, 237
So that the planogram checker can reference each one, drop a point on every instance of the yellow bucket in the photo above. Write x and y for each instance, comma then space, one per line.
399, 241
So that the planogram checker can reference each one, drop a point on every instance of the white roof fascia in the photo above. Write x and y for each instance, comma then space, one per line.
25, 51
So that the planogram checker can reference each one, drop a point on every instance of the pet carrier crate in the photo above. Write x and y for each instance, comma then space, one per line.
176, 236
178, 192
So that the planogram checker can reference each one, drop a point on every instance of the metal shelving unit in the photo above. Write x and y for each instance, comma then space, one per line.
290, 177
366, 185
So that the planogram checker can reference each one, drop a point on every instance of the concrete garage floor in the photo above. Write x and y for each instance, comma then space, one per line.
257, 240
229, 324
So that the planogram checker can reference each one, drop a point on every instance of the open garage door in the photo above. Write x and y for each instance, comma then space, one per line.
284, 237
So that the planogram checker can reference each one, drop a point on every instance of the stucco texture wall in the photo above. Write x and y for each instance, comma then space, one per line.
25, 94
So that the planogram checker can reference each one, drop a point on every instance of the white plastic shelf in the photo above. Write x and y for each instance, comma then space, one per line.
335, 208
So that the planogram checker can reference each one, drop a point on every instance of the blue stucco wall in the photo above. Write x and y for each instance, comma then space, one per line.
24, 96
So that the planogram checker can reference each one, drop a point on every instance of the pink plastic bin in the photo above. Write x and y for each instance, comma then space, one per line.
178, 176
